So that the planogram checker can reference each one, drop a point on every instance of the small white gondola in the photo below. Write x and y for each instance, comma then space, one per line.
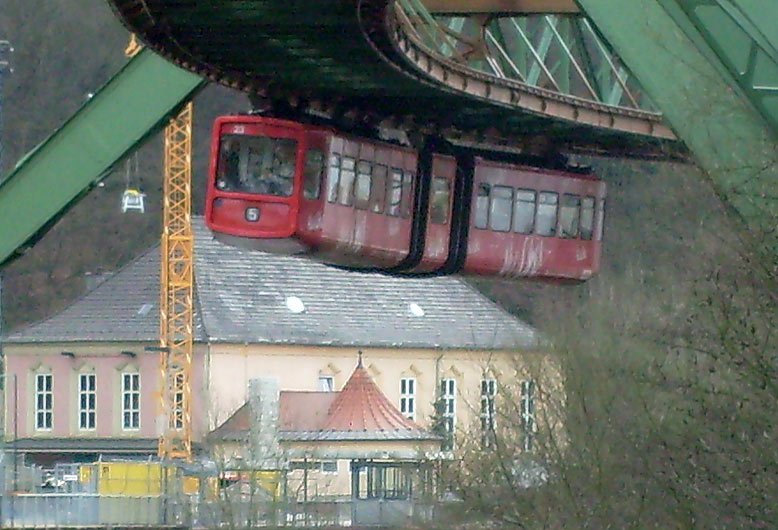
133, 200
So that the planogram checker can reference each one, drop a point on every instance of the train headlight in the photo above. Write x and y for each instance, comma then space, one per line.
252, 215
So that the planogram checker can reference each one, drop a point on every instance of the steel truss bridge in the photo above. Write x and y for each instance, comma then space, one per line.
660, 79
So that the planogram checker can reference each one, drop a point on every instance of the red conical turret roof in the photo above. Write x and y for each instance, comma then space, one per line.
361, 406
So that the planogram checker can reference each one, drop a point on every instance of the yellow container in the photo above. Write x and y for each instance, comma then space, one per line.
129, 478
270, 481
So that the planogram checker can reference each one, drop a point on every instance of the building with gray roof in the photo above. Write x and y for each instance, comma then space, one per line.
245, 297
256, 315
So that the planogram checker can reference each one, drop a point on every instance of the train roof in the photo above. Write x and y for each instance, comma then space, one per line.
353, 136
258, 298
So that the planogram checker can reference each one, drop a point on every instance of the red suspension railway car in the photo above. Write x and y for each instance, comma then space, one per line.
286, 187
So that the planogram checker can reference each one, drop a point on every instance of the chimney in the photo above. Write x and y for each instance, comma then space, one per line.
264, 440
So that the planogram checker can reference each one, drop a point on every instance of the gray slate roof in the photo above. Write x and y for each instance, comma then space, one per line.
242, 298
125, 308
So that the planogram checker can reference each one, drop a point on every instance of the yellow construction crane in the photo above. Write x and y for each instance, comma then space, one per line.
177, 296
176, 282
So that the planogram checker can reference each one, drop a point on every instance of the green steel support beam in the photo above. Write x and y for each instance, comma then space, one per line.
133, 104
734, 33
704, 105
755, 11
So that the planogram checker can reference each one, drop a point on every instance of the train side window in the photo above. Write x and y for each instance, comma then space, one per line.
500, 208
314, 167
482, 207
362, 189
545, 222
332, 178
587, 218
524, 215
600, 223
395, 188
378, 189
346, 185
569, 215
441, 194
405, 206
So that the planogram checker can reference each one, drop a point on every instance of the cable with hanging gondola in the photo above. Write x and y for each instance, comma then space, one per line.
133, 198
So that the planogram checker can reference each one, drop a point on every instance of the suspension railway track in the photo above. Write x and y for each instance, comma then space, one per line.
361, 60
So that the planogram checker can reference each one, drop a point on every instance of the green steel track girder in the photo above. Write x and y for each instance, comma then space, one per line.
706, 107
47, 181
736, 32
369, 62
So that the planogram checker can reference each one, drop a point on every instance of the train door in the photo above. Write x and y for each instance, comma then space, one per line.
312, 186
395, 237
439, 212
371, 196
338, 220
363, 236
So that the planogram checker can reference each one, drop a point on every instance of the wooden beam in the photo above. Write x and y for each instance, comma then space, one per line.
503, 7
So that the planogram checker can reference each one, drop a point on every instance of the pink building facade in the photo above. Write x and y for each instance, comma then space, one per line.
81, 384
86, 400
92, 391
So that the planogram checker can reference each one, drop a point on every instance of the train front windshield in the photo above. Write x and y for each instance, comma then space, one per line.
256, 164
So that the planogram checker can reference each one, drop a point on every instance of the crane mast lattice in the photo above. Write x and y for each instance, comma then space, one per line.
177, 302
176, 286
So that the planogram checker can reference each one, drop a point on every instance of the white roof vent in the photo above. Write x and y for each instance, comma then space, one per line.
144, 309
415, 310
294, 304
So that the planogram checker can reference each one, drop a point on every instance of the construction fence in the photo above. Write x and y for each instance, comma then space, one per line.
147, 494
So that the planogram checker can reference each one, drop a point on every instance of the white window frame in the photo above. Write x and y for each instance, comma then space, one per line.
326, 383
325, 466
488, 413
130, 396
408, 397
529, 425
44, 402
448, 393
87, 401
